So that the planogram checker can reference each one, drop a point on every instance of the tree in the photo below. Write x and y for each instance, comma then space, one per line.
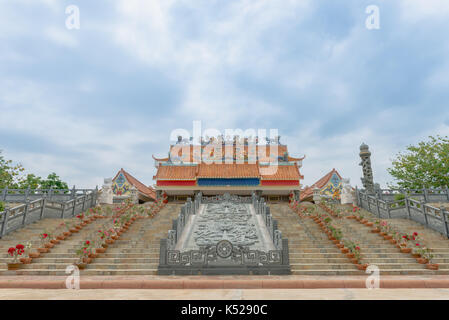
423, 166
10, 178
9, 173
30, 181
53, 181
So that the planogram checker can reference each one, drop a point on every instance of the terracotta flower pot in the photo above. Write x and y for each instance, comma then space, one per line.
54, 241
114, 237
362, 266
350, 255
42, 250
339, 245
78, 227
60, 238
422, 260
49, 245
14, 266
406, 250
392, 241
105, 245
354, 261
34, 255
67, 233
81, 266
432, 266
344, 250
26, 260
100, 250
388, 237
335, 241
363, 221
416, 255
92, 255
109, 241
74, 230
87, 260
369, 224
382, 234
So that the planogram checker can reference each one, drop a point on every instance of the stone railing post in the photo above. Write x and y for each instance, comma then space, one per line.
423, 210
43, 204
5, 222
25, 213
445, 220
5, 192
27, 193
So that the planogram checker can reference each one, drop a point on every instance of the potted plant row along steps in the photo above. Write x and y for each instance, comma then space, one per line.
310, 250
136, 252
426, 246
28, 236
62, 254
377, 251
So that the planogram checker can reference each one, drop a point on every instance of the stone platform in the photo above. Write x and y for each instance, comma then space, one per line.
223, 282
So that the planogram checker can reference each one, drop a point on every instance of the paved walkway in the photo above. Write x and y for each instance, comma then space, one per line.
223, 282
226, 294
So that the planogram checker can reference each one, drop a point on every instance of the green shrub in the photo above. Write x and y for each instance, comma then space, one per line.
2, 206
398, 197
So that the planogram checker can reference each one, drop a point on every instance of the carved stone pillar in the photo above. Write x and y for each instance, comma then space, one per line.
367, 180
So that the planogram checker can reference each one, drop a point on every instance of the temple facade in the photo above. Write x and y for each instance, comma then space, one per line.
215, 168
329, 185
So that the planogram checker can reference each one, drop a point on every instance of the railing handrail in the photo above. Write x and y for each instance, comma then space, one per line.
87, 200
413, 208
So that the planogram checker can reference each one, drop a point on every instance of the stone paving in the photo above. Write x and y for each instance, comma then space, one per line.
227, 294
223, 282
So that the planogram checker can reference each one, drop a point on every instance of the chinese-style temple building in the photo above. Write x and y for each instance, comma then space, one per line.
217, 168
327, 186
124, 185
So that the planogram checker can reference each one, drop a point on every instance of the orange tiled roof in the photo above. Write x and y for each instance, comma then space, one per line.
307, 192
234, 170
148, 191
283, 173
238, 152
176, 173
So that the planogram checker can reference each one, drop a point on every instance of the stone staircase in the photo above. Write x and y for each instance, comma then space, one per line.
22, 236
310, 250
136, 252
312, 253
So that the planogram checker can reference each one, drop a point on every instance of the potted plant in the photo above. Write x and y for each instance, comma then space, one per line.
27, 251
427, 254
15, 252
43, 238
83, 255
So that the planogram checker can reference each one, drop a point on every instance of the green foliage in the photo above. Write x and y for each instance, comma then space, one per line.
423, 166
53, 181
10, 177
9, 173
2, 206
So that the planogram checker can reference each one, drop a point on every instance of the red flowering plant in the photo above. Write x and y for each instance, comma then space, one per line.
102, 236
404, 240
44, 237
15, 252
84, 251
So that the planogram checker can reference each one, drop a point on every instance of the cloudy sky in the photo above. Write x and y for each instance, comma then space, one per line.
86, 102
